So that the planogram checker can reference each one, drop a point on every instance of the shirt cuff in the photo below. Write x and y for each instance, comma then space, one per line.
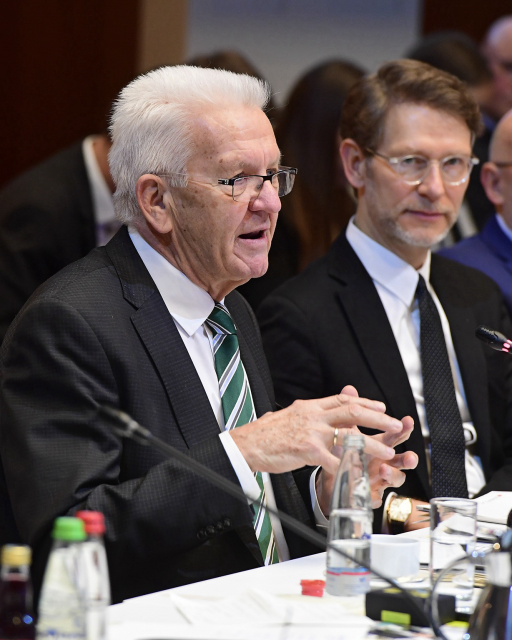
321, 521
243, 471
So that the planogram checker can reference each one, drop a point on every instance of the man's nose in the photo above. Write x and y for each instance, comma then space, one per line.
432, 186
267, 200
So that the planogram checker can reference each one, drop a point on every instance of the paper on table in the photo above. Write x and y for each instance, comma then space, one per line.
494, 507
264, 609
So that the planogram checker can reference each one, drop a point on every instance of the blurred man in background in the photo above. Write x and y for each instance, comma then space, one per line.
50, 216
491, 250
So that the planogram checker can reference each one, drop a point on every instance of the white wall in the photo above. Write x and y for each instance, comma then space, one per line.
283, 38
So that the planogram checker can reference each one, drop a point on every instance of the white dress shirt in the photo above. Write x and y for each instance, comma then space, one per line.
504, 226
105, 221
190, 306
396, 282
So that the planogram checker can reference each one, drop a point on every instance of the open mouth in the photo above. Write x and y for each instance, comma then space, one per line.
254, 235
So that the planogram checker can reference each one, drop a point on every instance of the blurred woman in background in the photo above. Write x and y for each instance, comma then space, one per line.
321, 204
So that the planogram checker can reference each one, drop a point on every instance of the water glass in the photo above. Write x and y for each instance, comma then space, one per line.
453, 535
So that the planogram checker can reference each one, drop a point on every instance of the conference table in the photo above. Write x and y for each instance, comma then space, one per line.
267, 602
264, 602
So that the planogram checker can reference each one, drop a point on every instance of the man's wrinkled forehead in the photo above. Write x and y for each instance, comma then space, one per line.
233, 138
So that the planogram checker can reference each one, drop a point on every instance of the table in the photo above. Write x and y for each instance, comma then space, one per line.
156, 616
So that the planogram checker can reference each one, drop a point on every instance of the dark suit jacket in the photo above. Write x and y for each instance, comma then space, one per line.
46, 222
491, 252
328, 328
99, 333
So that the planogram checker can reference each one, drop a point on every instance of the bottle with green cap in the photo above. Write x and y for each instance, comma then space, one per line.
62, 612
16, 616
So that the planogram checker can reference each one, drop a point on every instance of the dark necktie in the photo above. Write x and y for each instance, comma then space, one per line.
238, 410
447, 445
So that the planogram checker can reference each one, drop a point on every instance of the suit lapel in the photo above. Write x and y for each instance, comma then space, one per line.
498, 242
470, 356
157, 330
367, 317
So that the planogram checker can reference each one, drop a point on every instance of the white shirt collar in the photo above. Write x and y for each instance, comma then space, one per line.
100, 192
188, 304
385, 267
504, 226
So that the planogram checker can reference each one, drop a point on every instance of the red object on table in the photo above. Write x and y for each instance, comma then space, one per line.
312, 587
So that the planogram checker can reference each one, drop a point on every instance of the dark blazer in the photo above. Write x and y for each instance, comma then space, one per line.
99, 333
46, 222
328, 328
491, 252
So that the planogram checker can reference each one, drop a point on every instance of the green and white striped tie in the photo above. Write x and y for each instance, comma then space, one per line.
238, 409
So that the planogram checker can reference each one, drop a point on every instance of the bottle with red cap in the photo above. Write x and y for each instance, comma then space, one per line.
96, 582
16, 615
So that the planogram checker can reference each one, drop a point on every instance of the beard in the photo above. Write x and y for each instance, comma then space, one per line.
418, 237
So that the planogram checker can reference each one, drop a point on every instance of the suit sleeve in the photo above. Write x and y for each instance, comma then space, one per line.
290, 347
29, 255
59, 457
499, 371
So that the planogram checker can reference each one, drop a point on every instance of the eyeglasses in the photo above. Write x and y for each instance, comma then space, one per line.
412, 169
247, 188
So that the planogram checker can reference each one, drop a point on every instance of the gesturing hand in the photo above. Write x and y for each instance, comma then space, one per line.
384, 472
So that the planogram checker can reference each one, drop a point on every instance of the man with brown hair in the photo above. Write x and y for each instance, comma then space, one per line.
384, 314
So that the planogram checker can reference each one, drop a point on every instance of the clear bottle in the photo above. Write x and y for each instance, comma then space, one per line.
96, 581
62, 612
16, 614
350, 522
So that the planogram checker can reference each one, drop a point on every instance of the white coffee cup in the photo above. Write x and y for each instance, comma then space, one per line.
395, 556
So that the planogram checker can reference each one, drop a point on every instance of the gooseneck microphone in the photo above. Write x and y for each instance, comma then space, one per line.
494, 339
126, 427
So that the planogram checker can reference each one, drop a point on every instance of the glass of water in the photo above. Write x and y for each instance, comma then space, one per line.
453, 535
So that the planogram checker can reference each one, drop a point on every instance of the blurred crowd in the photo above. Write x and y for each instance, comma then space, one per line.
56, 212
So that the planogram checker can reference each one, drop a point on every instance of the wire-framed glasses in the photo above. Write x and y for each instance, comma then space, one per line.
247, 188
412, 169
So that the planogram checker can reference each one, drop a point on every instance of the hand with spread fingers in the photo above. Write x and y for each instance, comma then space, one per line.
384, 470
304, 434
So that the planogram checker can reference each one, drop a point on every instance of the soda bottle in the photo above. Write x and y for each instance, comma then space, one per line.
62, 611
16, 615
350, 522
96, 582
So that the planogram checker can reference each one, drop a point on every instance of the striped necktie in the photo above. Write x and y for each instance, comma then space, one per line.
238, 409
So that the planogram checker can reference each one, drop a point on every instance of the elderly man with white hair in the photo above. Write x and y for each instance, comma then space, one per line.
151, 324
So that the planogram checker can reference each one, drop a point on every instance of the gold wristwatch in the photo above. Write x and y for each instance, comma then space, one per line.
399, 510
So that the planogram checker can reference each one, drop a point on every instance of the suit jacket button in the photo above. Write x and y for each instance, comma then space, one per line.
201, 534
210, 531
226, 523
219, 526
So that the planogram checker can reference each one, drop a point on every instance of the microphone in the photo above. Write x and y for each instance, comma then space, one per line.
125, 426
494, 339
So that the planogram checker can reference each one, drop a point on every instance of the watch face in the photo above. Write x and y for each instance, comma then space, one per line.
400, 509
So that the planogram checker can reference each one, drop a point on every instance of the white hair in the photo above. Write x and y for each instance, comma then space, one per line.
152, 123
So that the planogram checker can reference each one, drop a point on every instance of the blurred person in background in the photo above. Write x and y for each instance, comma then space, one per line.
456, 53
497, 48
321, 203
50, 216
491, 250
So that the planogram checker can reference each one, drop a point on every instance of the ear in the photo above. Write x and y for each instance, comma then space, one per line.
155, 202
354, 164
491, 180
